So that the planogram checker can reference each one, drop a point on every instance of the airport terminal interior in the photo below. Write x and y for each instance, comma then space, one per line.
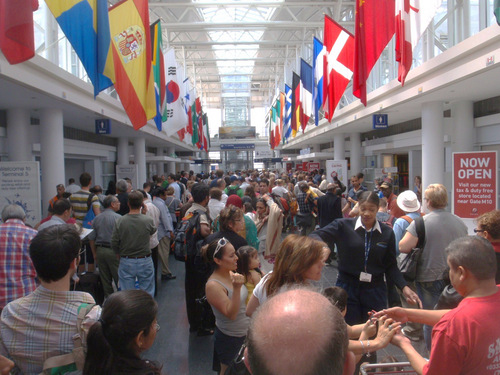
237, 57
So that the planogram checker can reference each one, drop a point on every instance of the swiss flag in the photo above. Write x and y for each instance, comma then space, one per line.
338, 64
17, 36
375, 24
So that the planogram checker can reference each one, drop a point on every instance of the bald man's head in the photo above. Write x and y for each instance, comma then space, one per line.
297, 332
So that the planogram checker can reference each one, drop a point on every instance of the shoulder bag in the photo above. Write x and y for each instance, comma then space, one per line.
409, 263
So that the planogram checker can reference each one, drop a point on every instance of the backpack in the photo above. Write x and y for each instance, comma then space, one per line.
232, 190
72, 363
90, 216
186, 236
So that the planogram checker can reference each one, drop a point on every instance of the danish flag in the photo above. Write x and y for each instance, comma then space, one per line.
338, 64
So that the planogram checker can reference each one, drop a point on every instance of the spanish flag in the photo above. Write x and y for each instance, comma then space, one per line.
131, 45
86, 25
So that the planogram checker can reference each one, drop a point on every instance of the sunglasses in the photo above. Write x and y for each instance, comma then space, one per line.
220, 244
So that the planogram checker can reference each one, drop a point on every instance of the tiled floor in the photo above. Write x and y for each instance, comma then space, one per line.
183, 353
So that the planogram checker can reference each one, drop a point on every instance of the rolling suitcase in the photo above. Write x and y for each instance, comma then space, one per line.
90, 282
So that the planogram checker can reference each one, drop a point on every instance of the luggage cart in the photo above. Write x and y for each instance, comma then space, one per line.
400, 368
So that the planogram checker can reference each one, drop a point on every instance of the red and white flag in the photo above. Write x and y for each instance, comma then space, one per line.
375, 24
338, 64
412, 18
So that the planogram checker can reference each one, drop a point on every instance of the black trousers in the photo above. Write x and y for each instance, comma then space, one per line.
195, 289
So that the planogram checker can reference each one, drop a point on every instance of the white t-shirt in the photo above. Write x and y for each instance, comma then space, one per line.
280, 190
260, 291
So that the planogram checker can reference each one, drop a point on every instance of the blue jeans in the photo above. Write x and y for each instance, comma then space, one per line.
142, 269
429, 293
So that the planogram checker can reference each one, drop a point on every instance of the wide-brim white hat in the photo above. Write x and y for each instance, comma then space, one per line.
408, 201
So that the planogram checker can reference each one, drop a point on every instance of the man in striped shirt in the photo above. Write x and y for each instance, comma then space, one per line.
41, 325
17, 274
80, 199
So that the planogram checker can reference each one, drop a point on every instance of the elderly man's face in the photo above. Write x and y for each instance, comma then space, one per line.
60, 190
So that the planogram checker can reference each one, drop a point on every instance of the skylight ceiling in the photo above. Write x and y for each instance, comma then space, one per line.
257, 41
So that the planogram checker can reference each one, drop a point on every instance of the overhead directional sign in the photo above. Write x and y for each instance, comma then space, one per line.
380, 121
237, 146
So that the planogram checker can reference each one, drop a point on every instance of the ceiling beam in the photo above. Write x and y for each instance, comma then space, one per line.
245, 4
242, 43
237, 25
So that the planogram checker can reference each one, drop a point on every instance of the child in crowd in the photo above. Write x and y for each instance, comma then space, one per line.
249, 211
359, 334
248, 266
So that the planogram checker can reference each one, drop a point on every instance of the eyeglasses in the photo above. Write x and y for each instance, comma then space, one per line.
479, 230
220, 244
157, 327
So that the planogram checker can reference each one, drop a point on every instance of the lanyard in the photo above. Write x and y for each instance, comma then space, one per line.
368, 244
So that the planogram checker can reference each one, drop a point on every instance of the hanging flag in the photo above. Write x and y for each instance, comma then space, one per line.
281, 117
175, 117
206, 133
277, 111
412, 18
295, 104
306, 88
17, 36
194, 124
86, 25
338, 64
270, 127
131, 44
375, 24
199, 117
496, 10
184, 135
287, 126
318, 57
158, 72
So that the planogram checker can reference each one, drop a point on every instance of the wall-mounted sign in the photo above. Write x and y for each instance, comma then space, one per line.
103, 126
237, 146
268, 160
474, 183
236, 132
380, 121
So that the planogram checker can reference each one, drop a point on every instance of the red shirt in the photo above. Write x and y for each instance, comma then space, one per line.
467, 339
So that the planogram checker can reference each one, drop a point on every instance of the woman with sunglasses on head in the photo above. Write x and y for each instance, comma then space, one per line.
126, 328
230, 221
299, 259
227, 296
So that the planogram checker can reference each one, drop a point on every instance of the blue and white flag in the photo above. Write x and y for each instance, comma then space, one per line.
318, 58
287, 126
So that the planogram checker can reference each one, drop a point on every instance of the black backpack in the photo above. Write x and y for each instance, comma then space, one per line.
187, 236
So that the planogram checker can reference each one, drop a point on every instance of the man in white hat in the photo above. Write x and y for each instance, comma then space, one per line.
408, 202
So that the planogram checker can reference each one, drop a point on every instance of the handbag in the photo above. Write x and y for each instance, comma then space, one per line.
409, 263
237, 365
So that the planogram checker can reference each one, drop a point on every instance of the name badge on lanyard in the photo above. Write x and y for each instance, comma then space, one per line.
365, 276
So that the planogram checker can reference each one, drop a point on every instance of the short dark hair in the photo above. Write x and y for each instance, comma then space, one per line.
265, 181
474, 253
146, 185
158, 191
61, 206
85, 179
200, 192
216, 193
337, 296
71, 180
360, 175
135, 200
53, 249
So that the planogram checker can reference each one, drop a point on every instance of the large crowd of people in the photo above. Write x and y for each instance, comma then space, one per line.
296, 222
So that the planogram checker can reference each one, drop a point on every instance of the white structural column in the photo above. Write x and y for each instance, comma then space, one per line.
122, 157
140, 159
464, 135
18, 124
355, 153
339, 146
160, 168
51, 153
170, 164
432, 144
